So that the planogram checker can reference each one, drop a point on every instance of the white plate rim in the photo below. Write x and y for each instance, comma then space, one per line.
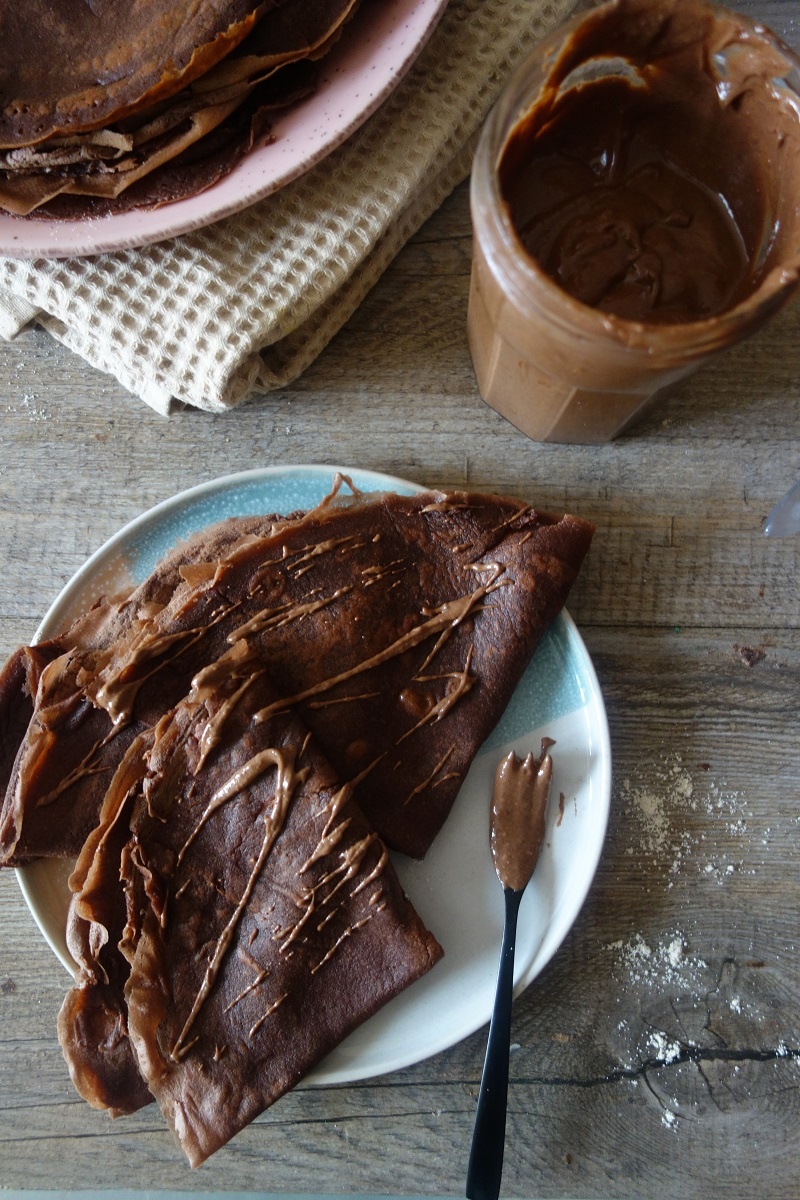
386, 1062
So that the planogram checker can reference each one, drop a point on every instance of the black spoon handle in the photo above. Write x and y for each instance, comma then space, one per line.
488, 1138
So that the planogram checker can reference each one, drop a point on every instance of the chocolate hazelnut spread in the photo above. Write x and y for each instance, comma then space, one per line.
519, 810
598, 200
636, 208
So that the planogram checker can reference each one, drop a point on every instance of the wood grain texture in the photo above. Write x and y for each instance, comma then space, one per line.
658, 1054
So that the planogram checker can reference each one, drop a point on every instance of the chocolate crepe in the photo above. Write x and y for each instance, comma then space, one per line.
68, 66
173, 137
183, 161
262, 918
61, 704
398, 627
93, 1021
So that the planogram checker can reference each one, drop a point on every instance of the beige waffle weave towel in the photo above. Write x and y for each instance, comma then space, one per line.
247, 304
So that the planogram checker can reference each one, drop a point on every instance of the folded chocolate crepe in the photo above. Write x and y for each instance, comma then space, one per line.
204, 114
397, 627
89, 636
93, 1021
234, 913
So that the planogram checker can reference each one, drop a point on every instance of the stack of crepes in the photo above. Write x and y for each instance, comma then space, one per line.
230, 749
115, 105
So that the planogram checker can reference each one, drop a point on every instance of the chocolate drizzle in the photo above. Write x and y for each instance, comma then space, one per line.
287, 781
442, 622
251, 883
350, 609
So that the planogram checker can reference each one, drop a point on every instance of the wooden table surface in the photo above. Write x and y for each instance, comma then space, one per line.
658, 1054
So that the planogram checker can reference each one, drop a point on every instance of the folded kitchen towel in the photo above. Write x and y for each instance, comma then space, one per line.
246, 304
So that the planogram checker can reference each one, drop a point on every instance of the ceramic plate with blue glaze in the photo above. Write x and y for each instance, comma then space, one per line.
454, 888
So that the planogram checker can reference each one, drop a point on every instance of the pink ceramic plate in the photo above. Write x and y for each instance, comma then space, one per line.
375, 52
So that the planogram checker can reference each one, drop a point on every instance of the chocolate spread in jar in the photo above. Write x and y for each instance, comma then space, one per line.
635, 204
618, 225
519, 810
643, 180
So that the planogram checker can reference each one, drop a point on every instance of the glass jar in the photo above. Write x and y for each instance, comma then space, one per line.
725, 113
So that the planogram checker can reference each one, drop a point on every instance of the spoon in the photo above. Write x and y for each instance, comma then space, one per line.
785, 516
519, 811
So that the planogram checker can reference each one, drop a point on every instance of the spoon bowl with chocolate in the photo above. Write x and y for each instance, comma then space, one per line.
519, 813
